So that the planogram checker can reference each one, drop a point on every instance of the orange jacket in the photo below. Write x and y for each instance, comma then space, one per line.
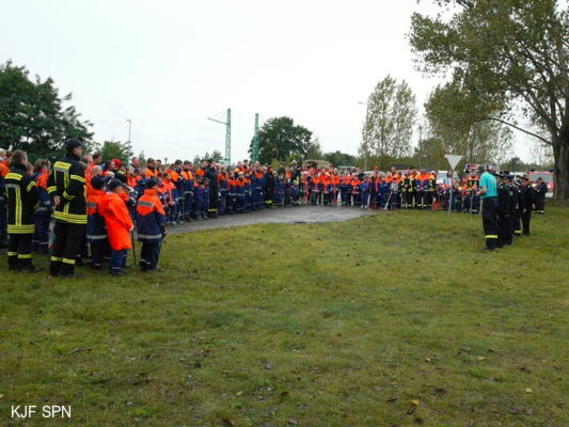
41, 179
117, 219
4, 170
149, 173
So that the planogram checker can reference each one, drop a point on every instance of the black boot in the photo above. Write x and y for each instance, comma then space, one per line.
13, 264
54, 268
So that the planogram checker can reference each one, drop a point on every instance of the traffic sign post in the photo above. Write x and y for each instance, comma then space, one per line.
453, 160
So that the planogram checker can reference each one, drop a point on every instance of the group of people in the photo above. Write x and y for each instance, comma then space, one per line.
507, 205
80, 208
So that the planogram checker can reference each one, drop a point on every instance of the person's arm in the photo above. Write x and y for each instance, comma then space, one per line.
76, 186
483, 186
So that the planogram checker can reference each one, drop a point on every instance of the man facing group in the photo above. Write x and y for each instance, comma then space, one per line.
506, 207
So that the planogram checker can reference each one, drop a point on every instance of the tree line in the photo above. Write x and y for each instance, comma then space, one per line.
462, 116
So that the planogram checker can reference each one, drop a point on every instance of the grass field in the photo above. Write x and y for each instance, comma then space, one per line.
392, 319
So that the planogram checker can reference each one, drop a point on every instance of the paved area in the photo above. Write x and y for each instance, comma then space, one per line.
291, 215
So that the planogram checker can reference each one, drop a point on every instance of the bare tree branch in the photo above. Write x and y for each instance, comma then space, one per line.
535, 135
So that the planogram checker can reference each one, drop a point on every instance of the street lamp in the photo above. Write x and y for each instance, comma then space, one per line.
129, 128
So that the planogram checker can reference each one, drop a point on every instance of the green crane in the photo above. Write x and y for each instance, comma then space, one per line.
255, 153
227, 124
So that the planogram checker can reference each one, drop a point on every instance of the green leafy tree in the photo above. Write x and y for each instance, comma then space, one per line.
115, 150
391, 112
338, 158
314, 150
511, 53
280, 139
33, 116
455, 116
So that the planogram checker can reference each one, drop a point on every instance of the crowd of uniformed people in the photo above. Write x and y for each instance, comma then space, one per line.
81, 210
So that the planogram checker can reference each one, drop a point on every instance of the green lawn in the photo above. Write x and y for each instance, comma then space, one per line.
392, 319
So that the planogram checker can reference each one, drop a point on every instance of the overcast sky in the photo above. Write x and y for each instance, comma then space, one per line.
168, 65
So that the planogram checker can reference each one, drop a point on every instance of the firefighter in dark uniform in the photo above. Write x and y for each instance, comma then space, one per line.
67, 188
211, 175
516, 211
507, 201
526, 199
540, 192
22, 196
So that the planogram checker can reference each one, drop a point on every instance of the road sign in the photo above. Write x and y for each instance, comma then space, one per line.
453, 160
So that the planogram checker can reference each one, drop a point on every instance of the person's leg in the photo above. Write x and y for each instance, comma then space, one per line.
13, 242
42, 230
526, 219
117, 260
97, 253
75, 234
144, 256
490, 221
25, 252
502, 234
60, 232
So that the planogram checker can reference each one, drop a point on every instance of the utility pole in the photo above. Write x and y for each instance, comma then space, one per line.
255, 151
227, 124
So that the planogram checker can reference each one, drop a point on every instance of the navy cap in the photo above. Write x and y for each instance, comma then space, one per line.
98, 182
114, 183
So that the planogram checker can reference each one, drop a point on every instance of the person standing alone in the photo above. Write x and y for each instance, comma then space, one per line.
489, 195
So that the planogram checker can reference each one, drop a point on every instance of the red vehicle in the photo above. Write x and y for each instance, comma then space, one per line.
548, 178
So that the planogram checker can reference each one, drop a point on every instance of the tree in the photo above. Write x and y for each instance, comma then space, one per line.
511, 53
114, 150
391, 111
32, 114
542, 155
280, 139
454, 115
314, 150
338, 158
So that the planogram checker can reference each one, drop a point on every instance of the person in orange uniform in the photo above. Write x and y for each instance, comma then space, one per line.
151, 170
150, 222
119, 225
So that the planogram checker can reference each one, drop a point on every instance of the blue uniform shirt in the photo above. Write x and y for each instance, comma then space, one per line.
488, 181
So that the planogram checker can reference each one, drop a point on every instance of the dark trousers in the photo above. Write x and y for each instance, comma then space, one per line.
19, 251
213, 202
540, 203
99, 250
66, 246
3, 223
118, 260
517, 223
149, 255
526, 219
41, 236
490, 221
505, 230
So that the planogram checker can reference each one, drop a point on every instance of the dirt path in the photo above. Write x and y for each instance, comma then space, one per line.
292, 215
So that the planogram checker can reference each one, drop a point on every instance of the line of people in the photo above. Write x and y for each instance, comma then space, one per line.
78, 216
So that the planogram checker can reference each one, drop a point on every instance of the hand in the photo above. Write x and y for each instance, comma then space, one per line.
131, 228
56, 201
